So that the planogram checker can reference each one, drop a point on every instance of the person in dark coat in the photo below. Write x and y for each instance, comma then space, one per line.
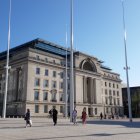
54, 115
101, 116
28, 117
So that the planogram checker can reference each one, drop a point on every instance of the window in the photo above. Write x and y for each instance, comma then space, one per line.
118, 101
45, 83
107, 110
61, 85
36, 108
110, 93
117, 93
36, 95
54, 73
61, 96
54, 97
117, 86
37, 70
61, 75
114, 101
113, 85
37, 57
110, 100
46, 59
54, 61
113, 92
105, 91
95, 111
54, 84
106, 84
61, 109
45, 109
46, 72
106, 100
68, 85
37, 82
109, 84
45, 95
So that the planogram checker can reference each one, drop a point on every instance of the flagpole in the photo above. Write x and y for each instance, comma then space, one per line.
126, 67
7, 67
71, 64
66, 85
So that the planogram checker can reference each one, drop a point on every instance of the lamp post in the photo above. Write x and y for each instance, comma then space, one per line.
66, 83
71, 63
126, 68
7, 67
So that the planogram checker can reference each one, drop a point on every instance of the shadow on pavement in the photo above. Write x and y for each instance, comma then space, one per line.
98, 135
135, 124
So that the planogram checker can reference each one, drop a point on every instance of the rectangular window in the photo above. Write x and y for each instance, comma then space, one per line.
107, 110
114, 101
36, 95
117, 86
109, 84
68, 85
106, 84
37, 57
113, 92
45, 109
37, 70
96, 111
118, 101
54, 73
37, 82
54, 97
105, 91
106, 100
61, 85
46, 72
45, 95
54, 61
117, 93
54, 84
110, 93
61, 96
46, 59
36, 108
46, 83
61, 109
61, 75
113, 85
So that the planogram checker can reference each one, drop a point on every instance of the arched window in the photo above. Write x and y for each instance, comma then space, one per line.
89, 65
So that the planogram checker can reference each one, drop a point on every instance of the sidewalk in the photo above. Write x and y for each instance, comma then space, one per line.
43, 129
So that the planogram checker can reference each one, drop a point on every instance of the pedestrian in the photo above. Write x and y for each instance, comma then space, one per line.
28, 118
84, 115
74, 115
54, 115
101, 116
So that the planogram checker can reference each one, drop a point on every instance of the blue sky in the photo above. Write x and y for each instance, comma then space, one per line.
98, 28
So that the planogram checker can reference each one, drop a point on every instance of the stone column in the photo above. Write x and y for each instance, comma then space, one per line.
84, 90
91, 91
94, 90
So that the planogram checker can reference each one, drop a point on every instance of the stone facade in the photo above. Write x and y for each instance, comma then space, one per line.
37, 81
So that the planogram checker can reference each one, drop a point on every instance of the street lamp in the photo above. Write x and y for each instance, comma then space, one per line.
7, 67
71, 64
126, 68
66, 83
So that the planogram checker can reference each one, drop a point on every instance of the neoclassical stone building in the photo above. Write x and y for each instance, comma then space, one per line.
37, 81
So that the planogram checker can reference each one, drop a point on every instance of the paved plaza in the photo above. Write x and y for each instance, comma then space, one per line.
43, 129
